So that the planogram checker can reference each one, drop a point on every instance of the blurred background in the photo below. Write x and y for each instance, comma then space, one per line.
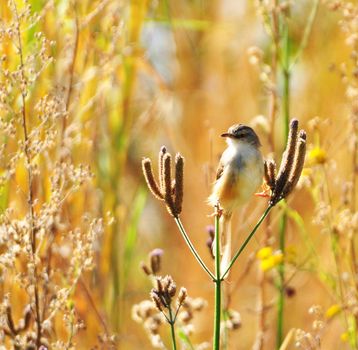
142, 74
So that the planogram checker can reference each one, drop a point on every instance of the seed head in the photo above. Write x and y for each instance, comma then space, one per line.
170, 190
290, 168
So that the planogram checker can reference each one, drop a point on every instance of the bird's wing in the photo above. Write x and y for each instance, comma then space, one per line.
219, 170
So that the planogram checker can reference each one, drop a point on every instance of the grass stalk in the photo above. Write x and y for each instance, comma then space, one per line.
281, 286
172, 329
285, 67
218, 280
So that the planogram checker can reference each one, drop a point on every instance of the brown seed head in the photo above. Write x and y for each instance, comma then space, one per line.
270, 173
182, 296
149, 178
160, 287
286, 163
162, 152
155, 260
156, 300
179, 183
145, 268
172, 289
167, 159
297, 165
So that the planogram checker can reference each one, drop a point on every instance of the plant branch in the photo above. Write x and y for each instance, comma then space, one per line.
218, 280
172, 330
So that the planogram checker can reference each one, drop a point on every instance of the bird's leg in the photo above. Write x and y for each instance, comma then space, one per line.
218, 210
265, 193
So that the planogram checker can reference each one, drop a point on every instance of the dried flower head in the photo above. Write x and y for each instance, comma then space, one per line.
155, 260
290, 170
168, 190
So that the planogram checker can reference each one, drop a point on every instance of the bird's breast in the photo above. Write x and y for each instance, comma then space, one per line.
241, 177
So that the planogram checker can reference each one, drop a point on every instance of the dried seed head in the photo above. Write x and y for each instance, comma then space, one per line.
155, 260
149, 178
291, 165
167, 159
297, 165
145, 268
156, 300
160, 287
179, 183
286, 163
270, 173
170, 190
210, 239
162, 152
172, 289
182, 296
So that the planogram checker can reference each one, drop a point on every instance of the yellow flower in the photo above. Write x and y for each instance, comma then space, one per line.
344, 337
333, 311
317, 156
264, 253
271, 261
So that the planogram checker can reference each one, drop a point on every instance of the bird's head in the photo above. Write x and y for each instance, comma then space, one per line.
239, 133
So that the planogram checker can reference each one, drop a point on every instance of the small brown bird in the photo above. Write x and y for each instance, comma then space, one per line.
238, 176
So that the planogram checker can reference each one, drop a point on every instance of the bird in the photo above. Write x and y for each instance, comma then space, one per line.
239, 174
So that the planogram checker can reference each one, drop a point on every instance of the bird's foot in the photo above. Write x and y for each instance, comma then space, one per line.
265, 193
218, 211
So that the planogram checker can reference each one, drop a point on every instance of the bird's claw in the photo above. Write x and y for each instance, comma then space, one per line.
265, 193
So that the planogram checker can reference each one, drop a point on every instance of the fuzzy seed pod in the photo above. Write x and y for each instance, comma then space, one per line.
182, 295
270, 173
297, 165
155, 260
145, 268
179, 183
168, 184
286, 163
156, 300
162, 152
172, 289
149, 178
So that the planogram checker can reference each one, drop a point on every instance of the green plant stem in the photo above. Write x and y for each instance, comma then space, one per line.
281, 286
172, 330
218, 280
192, 249
286, 124
307, 32
247, 241
286, 81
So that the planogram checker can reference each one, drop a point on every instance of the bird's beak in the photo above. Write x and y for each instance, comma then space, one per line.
227, 134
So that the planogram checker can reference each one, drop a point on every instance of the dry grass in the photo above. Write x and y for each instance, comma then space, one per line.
89, 88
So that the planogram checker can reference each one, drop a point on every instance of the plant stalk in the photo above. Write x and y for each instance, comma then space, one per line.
172, 330
286, 124
218, 280
281, 286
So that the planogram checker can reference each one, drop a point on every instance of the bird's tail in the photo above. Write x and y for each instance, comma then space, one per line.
225, 242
